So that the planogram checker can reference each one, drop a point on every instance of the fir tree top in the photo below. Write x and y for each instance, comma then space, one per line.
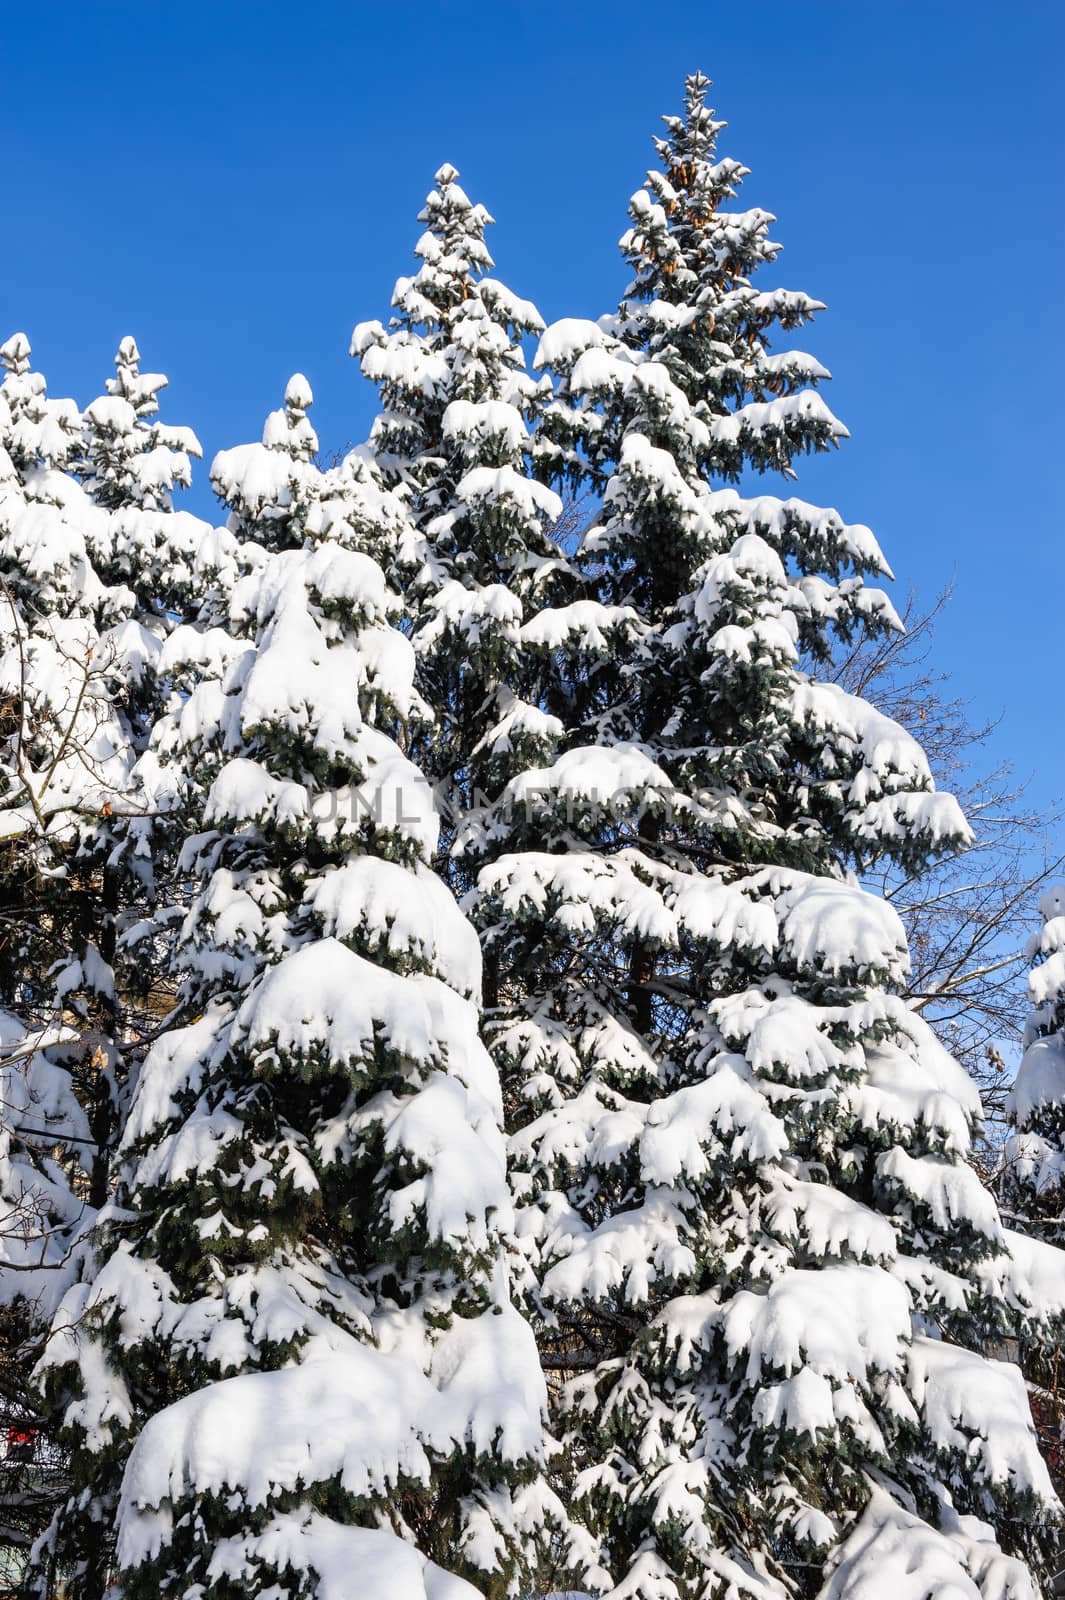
455, 337
128, 460
34, 430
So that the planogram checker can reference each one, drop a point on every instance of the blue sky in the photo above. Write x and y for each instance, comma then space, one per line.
237, 184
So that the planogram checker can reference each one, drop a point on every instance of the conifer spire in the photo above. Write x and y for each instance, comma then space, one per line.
760, 1254
456, 434
129, 461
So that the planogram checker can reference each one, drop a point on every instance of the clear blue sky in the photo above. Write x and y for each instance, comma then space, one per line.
237, 184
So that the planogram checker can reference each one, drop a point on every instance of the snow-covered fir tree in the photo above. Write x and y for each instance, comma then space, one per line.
67, 660
272, 486
299, 1343
100, 568
479, 560
767, 1271
68, 664
690, 325
168, 563
131, 463
1034, 1157
127, 457
1033, 1164
455, 436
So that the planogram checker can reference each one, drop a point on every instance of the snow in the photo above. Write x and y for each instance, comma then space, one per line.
390, 798
326, 1004
830, 925
298, 393
489, 611
133, 651
786, 1039
16, 352
492, 484
1040, 1081
934, 821
364, 1418
1034, 1161
329, 572
644, 470
845, 1323
405, 365
827, 1222
724, 915
295, 682
48, 549
762, 416
487, 1373
477, 424
949, 1190
584, 625
814, 924
113, 413
619, 775
448, 1135
261, 475
519, 722
767, 641
306, 1542
504, 303
602, 372
566, 339
581, 889
1047, 980
208, 651
976, 1407
357, 1415
791, 362
194, 1149
889, 754
43, 1215
411, 915
917, 1092
628, 1253
36, 1095
290, 431
893, 1555
1029, 1276
724, 1109
175, 1065
103, 1408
